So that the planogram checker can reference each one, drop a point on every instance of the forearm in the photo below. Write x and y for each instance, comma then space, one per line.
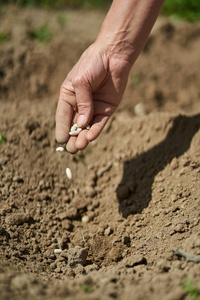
127, 26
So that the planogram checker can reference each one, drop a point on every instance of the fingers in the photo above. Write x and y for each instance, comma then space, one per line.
85, 136
84, 102
82, 141
63, 119
97, 126
71, 145
64, 114
77, 143
73, 96
102, 113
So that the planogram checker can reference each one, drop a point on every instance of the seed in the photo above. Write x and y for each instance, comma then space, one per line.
87, 127
60, 149
69, 173
74, 127
139, 109
75, 132
57, 251
85, 219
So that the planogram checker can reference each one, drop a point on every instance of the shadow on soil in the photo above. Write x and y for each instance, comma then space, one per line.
135, 189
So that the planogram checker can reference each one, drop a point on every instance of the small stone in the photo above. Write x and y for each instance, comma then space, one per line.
179, 228
101, 171
123, 192
174, 163
18, 179
108, 231
90, 191
72, 213
17, 219
134, 260
115, 253
126, 240
77, 255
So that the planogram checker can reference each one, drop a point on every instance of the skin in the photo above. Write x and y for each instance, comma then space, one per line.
93, 89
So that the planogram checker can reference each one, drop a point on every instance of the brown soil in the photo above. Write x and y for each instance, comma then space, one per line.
138, 184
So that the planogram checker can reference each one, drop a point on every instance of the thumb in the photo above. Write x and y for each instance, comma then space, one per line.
84, 103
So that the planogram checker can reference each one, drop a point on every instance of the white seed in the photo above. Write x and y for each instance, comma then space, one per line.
57, 251
73, 128
74, 132
87, 127
60, 149
85, 219
139, 109
69, 173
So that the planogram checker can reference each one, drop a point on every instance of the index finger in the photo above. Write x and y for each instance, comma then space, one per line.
64, 115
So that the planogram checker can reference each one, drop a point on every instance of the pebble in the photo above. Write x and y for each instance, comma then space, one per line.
71, 213
18, 179
108, 231
17, 219
90, 191
101, 171
123, 192
115, 254
77, 255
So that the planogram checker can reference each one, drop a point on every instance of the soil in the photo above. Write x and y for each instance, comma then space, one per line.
135, 194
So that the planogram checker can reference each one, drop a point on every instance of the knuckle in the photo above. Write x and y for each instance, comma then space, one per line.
62, 88
83, 106
78, 81
66, 90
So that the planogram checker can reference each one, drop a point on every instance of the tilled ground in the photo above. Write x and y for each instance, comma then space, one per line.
134, 196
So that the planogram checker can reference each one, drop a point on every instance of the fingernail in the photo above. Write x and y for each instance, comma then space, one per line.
81, 120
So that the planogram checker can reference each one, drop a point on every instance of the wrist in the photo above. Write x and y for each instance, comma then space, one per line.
127, 26
116, 44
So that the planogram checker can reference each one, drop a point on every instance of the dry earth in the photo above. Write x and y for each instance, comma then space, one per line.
137, 186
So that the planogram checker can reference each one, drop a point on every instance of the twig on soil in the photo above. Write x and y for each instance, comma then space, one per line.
188, 256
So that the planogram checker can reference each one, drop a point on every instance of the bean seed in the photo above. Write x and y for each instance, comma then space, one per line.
69, 173
60, 149
57, 251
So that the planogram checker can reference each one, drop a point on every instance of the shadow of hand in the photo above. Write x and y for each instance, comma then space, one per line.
135, 189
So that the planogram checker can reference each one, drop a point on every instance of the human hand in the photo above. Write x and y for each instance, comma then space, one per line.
89, 95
